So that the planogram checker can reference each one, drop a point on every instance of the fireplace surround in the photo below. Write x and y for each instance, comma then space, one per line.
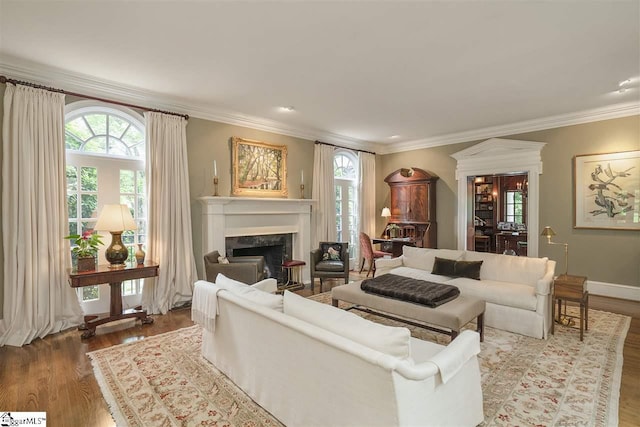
236, 220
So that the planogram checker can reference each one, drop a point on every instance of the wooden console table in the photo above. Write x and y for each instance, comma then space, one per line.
114, 277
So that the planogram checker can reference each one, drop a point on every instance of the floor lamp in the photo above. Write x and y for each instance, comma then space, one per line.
548, 233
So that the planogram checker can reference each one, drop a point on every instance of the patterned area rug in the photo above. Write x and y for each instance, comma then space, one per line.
164, 381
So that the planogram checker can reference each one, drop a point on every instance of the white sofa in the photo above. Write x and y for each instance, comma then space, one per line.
517, 290
312, 364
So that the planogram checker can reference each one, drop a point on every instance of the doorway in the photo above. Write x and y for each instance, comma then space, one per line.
500, 213
498, 157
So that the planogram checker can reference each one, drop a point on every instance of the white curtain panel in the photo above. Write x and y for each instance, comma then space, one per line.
169, 241
37, 297
367, 221
368, 193
324, 193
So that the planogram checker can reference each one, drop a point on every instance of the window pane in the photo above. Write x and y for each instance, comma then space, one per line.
140, 183
79, 129
128, 238
509, 196
127, 181
133, 136
130, 202
90, 293
98, 123
73, 228
89, 204
96, 145
90, 226
72, 206
117, 126
142, 207
117, 147
71, 142
72, 178
88, 179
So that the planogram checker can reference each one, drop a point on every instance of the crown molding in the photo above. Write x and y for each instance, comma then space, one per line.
19, 69
594, 115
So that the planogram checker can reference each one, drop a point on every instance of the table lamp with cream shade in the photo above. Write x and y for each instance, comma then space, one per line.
386, 213
549, 233
116, 219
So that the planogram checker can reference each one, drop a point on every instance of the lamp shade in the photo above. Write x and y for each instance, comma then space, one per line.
115, 218
548, 232
386, 212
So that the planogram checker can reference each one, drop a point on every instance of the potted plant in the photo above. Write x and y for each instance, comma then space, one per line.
85, 249
393, 230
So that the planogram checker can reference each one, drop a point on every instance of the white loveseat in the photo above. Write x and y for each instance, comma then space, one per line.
312, 364
517, 290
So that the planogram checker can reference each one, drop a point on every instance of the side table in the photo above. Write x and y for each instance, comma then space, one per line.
571, 288
114, 277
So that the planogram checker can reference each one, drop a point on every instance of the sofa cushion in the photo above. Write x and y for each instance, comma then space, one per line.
506, 268
424, 258
330, 266
469, 269
502, 293
444, 267
331, 251
393, 341
250, 292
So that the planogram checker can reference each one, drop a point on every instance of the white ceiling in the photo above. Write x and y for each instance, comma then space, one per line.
356, 72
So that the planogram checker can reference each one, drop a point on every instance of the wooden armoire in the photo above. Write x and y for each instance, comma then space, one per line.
413, 202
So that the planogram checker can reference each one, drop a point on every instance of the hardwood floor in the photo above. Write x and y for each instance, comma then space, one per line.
55, 375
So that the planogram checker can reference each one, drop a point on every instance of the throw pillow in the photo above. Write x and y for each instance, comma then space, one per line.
469, 269
444, 267
223, 260
390, 340
331, 251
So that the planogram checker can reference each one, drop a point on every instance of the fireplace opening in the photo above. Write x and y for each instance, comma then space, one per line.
275, 248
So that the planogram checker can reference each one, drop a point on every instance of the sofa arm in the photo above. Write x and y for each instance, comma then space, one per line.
242, 272
384, 265
448, 361
543, 286
267, 285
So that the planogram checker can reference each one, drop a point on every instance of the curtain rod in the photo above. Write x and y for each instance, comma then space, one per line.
346, 148
5, 80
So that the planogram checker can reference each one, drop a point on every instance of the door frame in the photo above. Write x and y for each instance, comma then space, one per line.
498, 156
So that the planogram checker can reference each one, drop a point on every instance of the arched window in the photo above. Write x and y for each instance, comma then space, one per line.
345, 172
105, 149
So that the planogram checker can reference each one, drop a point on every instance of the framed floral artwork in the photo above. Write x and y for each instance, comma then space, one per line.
259, 169
607, 191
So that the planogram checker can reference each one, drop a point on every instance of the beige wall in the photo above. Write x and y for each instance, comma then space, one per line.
208, 141
602, 255
610, 256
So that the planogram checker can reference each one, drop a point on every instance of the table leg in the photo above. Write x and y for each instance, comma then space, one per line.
115, 305
586, 314
553, 315
581, 319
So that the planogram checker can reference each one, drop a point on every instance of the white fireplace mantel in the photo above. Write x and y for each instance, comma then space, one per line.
224, 217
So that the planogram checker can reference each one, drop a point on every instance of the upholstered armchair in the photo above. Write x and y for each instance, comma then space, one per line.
330, 261
246, 269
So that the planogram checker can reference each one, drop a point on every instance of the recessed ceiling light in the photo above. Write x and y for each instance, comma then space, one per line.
624, 82
287, 109
394, 137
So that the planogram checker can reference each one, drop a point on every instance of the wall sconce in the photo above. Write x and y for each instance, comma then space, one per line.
116, 219
548, 233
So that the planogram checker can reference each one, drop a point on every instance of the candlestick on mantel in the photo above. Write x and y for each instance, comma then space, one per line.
215, 186
302, 191
215, 169
302, 177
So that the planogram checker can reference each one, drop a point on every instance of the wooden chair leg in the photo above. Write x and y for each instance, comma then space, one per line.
371, 268
361, 266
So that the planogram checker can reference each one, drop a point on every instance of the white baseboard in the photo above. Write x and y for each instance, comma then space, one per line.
613, 290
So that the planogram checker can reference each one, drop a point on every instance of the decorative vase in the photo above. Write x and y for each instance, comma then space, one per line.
140, 255
86, 263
